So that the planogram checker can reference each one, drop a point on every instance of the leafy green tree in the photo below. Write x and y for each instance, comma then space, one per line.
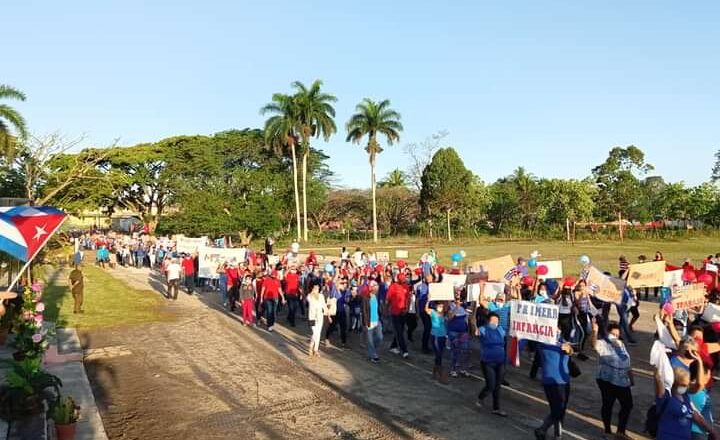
9, 117
397, 207
526, 188
444, 185
372, 119
716, 168
618, 183
315, 115
504, 205
281, 133
565, 199
395, 178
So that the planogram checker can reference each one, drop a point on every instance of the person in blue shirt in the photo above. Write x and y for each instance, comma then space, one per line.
492, 357
674, 409
555, 360
421, 294
439, 336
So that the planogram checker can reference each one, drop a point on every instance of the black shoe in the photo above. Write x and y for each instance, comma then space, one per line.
505, 382
539, 434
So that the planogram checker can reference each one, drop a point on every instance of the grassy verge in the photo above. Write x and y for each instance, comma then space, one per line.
604, 254
108, 301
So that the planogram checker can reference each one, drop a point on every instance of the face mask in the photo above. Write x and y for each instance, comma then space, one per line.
612, 338
543, 293
492, 325
681, 390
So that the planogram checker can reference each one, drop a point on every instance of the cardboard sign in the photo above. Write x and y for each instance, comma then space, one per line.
688, 297
455, 280
474, 278
496, 268
492, 290
534, 322
673, 278
554, 269
210, 258
603, 287
401, 254
646, 274
441, 292
189, 245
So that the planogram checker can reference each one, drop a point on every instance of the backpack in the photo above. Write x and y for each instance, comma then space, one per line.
652, 419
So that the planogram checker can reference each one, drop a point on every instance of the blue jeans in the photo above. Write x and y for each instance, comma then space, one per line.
493, 373
459, 342
622, 311
222, 284
375, 338
189, 283
439, 347
270, 312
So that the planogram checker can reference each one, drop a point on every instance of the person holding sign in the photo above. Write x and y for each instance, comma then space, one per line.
439, 337
492, 340
555, 360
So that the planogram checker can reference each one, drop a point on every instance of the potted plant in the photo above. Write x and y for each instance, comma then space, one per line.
65, 413
25, 388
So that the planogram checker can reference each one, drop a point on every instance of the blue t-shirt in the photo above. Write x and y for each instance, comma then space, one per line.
438, 328
675, 420
374, 317
422, 295
503, 312
554, 362
492, 341
700, 401
459, 322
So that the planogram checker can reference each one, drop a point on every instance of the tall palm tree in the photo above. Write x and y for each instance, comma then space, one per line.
281, 135
370, 119
315, 115
10, 117
395, 178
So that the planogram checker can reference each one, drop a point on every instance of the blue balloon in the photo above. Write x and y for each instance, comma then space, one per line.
329, 268
456, 257
532, 263
584, 260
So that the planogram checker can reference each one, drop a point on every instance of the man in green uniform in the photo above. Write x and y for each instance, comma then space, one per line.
76, 286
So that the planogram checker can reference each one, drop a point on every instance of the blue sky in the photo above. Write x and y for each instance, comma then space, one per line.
547, 85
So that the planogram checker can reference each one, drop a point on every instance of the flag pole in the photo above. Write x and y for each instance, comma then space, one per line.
17, 278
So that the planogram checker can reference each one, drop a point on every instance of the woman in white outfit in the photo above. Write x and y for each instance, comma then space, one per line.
317, 310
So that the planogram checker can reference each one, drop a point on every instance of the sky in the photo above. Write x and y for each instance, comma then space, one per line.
550, 85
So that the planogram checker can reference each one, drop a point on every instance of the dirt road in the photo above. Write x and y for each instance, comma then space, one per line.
205, 376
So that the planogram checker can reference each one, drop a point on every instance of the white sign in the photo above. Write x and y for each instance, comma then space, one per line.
441, 292
455, 280
210, 258
709, 267
401, 254
673, 278
534, 322
188, 245
492, 290
473, 292
554, 269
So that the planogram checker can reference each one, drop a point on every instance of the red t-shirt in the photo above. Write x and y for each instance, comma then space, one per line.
232, 274
292, 283
188, 266
272, 288
397, 296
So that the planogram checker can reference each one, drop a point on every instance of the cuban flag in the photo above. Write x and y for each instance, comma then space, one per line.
24, 230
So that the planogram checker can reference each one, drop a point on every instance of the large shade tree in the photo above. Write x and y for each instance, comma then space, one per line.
316, 118
372, 119
281, 134
10, 119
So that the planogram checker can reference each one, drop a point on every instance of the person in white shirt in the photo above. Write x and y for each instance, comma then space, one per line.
173, 278
317, 310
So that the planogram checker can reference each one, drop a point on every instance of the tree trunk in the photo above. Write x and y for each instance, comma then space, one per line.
374, 200
304, 177
295, 185
448, 222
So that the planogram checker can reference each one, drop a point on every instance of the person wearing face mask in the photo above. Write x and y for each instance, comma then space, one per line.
439, 337
247, 299
614, 377
675, 411
492, 357
541, 296
556, 384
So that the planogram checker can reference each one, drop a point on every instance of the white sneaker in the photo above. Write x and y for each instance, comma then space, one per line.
405, 355
270, 328
395, 350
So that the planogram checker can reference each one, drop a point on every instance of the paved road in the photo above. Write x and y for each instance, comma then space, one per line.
206, 376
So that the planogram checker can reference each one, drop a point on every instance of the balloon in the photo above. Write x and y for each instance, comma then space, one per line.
418, 271
668, 308
706, 279
456, 257
528, 280
532, 263
534, 254
689, 276
463, 254
379, 268
440, 269
400, 263
568, 281
584, 260
329, 268
542, 270
295, 248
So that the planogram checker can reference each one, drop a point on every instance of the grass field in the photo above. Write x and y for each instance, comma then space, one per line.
604, 254
108, 302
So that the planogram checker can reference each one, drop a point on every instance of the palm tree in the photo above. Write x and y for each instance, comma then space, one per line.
10, 117
315, 116
370, 119
280, 134
395, 178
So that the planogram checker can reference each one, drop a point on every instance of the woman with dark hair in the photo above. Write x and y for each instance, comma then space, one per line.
614, 377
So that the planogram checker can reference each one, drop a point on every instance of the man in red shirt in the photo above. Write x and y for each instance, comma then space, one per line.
269, 294
188, 266
292, 293
398, 298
